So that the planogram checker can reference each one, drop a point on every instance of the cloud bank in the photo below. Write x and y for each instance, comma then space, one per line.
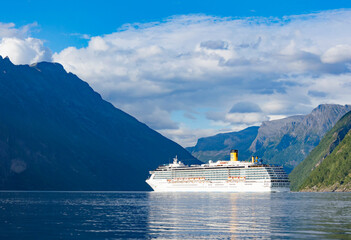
20, 47
192, 76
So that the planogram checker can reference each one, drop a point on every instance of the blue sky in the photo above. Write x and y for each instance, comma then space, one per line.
60, 21
191, 69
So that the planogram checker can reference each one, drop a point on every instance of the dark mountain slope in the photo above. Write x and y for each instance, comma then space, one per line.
57, 133
218, 147
328, 165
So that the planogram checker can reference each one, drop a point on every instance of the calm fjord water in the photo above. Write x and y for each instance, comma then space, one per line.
145, 215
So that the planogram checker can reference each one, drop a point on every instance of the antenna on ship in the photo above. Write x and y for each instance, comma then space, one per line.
175, 160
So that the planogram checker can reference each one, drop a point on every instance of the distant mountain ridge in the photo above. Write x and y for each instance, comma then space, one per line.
328, 166
56, 133
218, 146
285, 141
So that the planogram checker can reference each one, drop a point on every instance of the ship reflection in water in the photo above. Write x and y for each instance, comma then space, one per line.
248, 215
214, 215
148, 215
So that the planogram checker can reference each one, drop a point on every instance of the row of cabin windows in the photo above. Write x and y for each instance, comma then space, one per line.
221, 173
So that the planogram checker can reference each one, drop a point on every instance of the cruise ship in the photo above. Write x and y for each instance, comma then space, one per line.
220, 176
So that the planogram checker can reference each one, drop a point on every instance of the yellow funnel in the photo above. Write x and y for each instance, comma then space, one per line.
234, 155
253, 159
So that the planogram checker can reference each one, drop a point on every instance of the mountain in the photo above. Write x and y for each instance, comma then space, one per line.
284, 142
271, 132
288, 141
328, 166
218, 147
56, 133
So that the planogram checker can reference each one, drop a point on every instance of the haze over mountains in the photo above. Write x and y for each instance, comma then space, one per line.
56, 133
284, 142
218, 147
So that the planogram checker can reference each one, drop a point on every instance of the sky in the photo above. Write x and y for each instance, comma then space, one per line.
192, 69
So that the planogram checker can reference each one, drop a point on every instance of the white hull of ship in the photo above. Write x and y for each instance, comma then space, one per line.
215, 186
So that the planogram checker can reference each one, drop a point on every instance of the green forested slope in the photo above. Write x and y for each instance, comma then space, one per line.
319, 154
334, 173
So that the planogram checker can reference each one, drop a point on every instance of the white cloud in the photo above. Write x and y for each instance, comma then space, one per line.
248, 118
10, 30
20, 47
22, 51
338, 53
192, 62
7, 30
189, 63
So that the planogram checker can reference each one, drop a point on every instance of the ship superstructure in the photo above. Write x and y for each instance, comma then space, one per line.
220, 176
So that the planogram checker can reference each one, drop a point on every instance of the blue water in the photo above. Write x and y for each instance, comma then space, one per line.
145, 215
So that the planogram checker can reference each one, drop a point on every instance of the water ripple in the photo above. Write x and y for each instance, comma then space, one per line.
144, 215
